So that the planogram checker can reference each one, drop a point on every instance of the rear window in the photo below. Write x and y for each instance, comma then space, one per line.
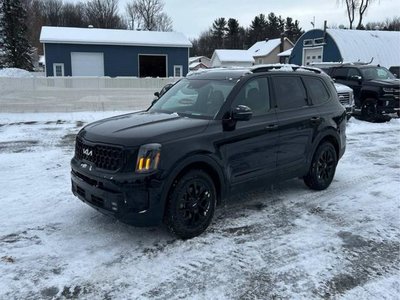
289, 92
317, 90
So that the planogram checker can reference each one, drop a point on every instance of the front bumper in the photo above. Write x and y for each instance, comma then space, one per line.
132, 199
388, 104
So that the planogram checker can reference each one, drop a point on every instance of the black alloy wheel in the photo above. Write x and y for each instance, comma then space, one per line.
369, 110
322, 168
191, 204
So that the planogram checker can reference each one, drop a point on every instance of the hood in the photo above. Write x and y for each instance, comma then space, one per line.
341, 88
141, 128
385, 82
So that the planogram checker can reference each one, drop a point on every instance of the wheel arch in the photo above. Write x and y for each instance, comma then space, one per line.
201, 162
329, 135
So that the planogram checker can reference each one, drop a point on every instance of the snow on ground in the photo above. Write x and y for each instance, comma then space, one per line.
14, 72
275, 243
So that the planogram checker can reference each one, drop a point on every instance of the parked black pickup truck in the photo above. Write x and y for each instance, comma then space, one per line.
376, 90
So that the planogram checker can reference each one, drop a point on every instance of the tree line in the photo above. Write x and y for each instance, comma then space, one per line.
228, 34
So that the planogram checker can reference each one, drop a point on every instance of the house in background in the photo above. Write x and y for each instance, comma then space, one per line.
199, 62
284, 56
110, 52
266, 52
231, 58
343, 45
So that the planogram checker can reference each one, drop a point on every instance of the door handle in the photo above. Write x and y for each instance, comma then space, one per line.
271, 127
315, 120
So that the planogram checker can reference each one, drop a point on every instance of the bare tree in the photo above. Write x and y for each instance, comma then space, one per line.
73, 15
133, 16
362, 9
356, 7
351, 9
148, 15
163, 22
52, 10
103, 14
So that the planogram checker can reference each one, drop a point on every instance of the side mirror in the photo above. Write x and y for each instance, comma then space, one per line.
242, 113
157, 94
356, 78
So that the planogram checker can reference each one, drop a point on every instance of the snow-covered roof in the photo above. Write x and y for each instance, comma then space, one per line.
363, 45
229, 55
263, 48
198, 58
286, 53
97, 36
196, 64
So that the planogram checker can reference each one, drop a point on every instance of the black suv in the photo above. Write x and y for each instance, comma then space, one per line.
210, 135
376, 90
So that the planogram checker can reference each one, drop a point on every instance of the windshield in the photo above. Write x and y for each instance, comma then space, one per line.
376, 73
201, 98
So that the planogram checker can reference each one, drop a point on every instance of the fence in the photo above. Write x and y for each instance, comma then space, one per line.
49, 94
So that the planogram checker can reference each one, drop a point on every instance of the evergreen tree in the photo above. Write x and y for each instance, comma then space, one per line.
233, 34
257, 31
292, 30
17, 50
219, 31
1, 36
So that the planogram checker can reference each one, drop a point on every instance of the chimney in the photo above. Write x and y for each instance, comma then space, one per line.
282, 44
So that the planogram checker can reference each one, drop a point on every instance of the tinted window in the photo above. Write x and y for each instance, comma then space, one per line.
289, 92
194, 97
340, 73
317, 90
376, 73
254, 94
353, 72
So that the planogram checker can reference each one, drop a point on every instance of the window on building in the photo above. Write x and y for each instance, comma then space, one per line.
260, 61
290, 92
308, 42
58, 70
178, 70
319, 41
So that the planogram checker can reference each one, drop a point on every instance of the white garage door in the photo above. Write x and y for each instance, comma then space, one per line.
311, 55
87, 64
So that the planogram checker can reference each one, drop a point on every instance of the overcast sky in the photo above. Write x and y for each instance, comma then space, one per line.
193, 17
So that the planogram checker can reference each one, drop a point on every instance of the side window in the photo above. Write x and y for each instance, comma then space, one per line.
317, 90
340, 73
353, 72
289, 92
254, 94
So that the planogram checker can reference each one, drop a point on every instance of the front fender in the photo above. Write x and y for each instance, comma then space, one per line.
202, 158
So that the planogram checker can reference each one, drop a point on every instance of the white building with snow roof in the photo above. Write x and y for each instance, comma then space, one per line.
231, 58
266, 52
344, 45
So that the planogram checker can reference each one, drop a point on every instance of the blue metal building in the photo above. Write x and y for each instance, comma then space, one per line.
109, 52
343, 45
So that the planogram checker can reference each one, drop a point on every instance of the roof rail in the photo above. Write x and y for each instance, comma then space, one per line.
283, 67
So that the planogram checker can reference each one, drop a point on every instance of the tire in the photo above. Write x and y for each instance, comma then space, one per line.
323, 167
368, 109
191, 204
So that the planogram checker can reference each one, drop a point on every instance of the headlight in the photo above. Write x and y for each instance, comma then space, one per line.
148, 158
388, 90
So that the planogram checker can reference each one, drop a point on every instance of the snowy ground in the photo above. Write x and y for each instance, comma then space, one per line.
285, 242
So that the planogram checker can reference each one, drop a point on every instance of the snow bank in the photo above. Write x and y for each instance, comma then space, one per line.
15, 73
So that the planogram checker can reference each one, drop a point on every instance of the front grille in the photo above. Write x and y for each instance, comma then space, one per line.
97, 201
103, 157
344, 98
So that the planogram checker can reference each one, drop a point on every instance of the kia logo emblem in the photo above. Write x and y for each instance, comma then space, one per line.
88, 152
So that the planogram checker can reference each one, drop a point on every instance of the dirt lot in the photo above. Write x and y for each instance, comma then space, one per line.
280, 242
